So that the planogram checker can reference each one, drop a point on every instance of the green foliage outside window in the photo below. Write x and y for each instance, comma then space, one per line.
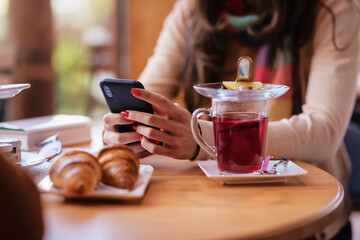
72, 87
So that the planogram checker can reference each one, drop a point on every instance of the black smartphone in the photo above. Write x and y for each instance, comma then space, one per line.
119, 98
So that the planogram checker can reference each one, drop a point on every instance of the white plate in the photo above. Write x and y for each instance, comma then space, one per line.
286, 171
29, 160
10, 90
103, 191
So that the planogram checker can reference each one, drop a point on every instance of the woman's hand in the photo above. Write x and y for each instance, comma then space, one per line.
112, 136
170, 125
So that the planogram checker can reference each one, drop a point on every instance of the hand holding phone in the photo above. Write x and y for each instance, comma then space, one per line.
117, 93
175, 136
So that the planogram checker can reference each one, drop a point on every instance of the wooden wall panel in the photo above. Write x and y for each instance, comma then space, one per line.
145, 23
32, 36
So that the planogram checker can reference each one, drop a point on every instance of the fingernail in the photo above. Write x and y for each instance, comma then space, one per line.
156, 142
135, 127
136, 92
140, 137
125, 114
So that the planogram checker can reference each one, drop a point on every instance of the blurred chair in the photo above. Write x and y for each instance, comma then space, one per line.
352, 143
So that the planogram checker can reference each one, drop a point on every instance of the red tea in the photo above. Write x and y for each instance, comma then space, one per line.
240, 141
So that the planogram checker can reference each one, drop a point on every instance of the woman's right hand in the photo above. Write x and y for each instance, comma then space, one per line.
112, 136
170, 125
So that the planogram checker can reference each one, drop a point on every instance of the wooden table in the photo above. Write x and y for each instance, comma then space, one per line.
182, 203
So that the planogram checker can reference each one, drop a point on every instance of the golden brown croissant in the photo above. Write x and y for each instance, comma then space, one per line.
119, 165
77, 172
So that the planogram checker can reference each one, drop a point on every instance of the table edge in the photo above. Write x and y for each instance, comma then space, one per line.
308, 226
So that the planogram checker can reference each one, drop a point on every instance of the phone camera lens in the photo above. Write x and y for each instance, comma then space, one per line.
108, 92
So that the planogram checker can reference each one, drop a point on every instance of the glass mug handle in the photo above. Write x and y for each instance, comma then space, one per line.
196, 132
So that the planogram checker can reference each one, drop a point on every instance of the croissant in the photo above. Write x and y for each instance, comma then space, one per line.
119, 165
77, 172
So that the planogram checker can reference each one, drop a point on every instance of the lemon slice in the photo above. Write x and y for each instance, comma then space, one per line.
235, 85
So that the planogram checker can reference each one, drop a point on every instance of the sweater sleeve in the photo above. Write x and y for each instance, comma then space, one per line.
316, 134
163, 69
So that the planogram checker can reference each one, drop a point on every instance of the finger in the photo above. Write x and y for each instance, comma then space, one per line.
147, 119
157, 149
159, 111
156, 136
160, 103
112, 119
136, 147
143, 154
113, 137
155, 122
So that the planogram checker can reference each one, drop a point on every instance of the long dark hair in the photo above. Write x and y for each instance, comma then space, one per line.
207, 38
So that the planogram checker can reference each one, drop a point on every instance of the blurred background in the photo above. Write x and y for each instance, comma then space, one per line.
63, 48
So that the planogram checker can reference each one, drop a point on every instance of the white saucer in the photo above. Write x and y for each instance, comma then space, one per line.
10, 90
103, 191
286, 171
29, 159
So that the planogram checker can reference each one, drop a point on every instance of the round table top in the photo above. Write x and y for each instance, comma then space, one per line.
182, 203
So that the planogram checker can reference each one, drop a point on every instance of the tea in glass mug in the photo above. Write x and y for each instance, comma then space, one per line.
240, 120
240, 139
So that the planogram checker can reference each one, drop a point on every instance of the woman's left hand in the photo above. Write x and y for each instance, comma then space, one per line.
170, 125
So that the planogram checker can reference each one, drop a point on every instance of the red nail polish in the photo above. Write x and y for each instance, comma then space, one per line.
125, 114
136, 92
140, 137
156, 142
134, 126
